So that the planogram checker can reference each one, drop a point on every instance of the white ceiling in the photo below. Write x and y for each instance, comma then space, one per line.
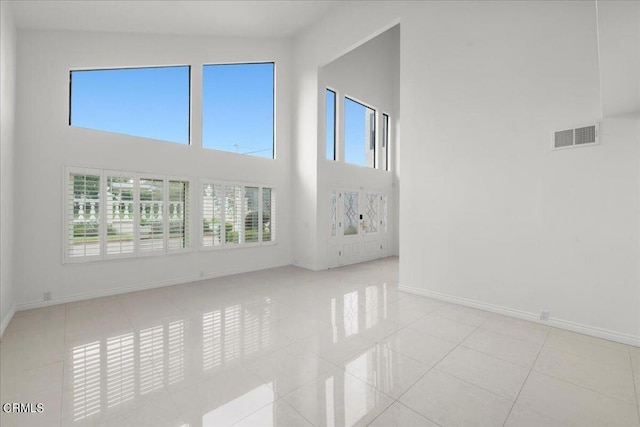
214, 18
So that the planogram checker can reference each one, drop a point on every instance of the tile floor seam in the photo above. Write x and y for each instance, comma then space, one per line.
431, 368
463, 323
474, 385
372, 386
259, 409
588, 342
298, 412
590, 339
306, 383
494, 356
386, 407
405, 406
635, 386
527, 377
583, 387
518, 337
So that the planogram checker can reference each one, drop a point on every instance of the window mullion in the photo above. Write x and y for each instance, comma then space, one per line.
102, 215
243, 201
136, 215
260, 198
165, 215
223, 214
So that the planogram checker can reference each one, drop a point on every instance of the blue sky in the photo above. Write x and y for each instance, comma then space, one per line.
354, 132
154, 103
147, 102
237, 107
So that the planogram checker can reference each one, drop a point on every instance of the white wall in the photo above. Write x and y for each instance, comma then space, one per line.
505, 221
489, 215
47, 144
619, 43
370, 74
8, 39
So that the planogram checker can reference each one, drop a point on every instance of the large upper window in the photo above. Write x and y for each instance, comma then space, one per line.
238, 108
147, 102
359, 134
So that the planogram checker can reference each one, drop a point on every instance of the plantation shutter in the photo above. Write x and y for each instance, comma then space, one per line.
233, 214
268, 215
83, 210
178, 215
251, 214
120, 215
212, 221
151, 215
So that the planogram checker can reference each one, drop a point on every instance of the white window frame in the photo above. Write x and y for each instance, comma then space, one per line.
242, 243
385, 135
189, 67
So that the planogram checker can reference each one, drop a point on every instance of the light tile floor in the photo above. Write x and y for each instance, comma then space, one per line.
290, 347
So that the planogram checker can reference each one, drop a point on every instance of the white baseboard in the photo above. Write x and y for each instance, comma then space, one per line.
532, 317
306, 266
7, 319
141, 287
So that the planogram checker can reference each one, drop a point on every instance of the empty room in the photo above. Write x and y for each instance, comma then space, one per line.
320, 213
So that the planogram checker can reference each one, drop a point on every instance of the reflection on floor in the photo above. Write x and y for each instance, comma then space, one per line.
291, 347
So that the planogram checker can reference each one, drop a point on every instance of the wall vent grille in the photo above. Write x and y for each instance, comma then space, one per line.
569, 138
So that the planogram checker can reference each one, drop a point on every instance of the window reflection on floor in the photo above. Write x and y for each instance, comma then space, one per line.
112, 371
120, 369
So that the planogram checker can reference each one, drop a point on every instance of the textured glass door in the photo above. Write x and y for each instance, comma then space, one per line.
351, 215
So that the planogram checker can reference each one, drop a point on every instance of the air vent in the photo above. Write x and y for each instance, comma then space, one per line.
563, 138
569, 138
585, 135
